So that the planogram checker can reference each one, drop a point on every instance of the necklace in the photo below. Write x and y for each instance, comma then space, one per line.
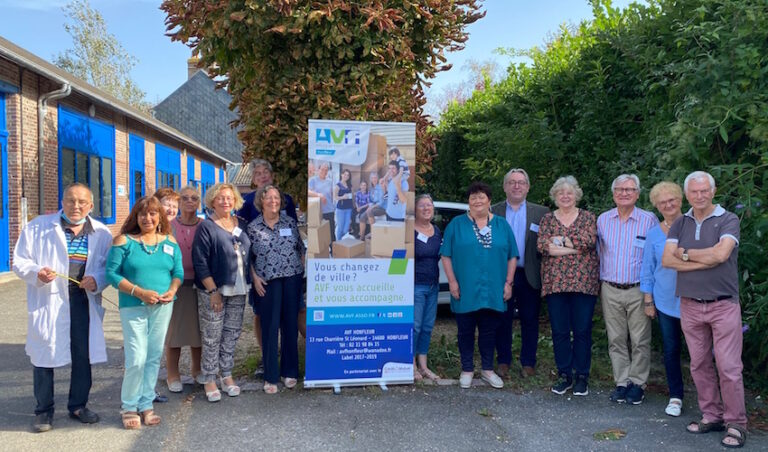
147, 249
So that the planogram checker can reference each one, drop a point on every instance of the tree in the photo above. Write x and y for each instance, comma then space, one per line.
286, 61
97, 56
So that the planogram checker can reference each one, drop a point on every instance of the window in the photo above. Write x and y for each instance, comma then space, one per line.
93, 171
168, 162
87, 155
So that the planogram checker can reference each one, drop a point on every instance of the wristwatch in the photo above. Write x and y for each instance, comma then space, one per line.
685, 255
212, 291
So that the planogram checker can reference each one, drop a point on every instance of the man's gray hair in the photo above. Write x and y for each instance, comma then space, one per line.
261, 162
626, 177
517, 170
699, 176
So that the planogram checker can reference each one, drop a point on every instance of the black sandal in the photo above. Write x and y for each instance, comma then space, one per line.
706, 427
741, 438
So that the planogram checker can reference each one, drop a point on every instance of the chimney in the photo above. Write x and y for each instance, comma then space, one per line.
192, 66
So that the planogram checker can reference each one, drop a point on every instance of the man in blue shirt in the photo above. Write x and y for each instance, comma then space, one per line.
397, 187
523, 217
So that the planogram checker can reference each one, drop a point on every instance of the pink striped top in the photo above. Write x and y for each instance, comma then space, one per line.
620, 244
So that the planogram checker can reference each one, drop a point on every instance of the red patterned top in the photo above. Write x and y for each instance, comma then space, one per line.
578, 272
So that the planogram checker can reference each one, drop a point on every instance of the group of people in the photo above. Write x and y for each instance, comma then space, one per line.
342, 206
500, 259
185, 281
182, 281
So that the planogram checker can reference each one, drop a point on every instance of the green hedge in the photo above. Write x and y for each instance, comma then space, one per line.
660, 90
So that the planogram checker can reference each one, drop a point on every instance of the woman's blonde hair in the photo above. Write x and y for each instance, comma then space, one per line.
213, 192
665, 187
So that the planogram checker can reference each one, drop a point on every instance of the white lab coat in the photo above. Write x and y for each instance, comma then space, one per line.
43, 244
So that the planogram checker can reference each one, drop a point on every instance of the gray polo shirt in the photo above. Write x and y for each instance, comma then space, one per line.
714, 282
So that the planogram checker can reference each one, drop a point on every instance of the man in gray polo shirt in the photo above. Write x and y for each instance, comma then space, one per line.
702, 246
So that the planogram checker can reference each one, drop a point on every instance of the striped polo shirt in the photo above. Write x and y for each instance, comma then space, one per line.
77, 249
620, 244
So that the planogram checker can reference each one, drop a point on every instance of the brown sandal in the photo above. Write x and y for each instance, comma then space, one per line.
150, 418
131, 420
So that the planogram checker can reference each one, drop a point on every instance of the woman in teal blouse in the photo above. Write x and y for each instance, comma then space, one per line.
144, 264
479, 257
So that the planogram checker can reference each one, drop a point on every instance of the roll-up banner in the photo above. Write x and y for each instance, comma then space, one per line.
360, 253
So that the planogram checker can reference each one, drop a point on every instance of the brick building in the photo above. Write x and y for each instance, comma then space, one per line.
82, 134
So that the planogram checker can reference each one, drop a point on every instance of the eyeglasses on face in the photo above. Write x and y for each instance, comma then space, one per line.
624, 190
190, 198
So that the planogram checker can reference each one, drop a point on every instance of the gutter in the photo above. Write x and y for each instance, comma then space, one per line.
42, 107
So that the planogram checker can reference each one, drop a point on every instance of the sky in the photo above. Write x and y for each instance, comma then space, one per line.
37, 26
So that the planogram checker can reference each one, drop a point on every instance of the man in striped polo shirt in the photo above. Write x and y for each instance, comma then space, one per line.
61, 257
621, 237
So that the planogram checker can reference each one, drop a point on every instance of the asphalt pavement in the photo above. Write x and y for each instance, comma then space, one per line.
408, 418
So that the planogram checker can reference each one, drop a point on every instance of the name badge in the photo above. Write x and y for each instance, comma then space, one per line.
485, 230
639, 242
535, 228
422, 237
168, 249
285, 232
237, 231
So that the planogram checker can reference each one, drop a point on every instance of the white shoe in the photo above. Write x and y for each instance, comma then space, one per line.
289, 382
174, 386
465, 380
231, 390
674, 407
492, 379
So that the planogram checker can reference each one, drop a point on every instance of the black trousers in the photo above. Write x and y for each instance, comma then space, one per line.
80, 383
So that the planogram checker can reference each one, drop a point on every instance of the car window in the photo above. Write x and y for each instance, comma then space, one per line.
444, 215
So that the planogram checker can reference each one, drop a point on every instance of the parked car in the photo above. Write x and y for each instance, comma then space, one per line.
444, 213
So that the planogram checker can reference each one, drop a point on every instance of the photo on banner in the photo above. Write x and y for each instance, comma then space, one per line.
360, 233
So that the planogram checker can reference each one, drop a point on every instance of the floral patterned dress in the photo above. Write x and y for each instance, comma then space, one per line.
578, 272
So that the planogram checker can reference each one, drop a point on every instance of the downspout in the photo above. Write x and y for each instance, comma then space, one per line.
42, 106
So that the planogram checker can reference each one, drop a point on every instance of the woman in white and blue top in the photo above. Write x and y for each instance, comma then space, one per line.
658, 286
277, 256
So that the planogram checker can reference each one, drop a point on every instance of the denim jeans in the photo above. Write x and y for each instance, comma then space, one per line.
424, 313
279, 313
671, 334
80, 380
343, 221
144, 329
486, 321
571, 312
528, 303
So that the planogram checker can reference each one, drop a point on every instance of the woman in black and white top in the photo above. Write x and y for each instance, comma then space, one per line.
277, 256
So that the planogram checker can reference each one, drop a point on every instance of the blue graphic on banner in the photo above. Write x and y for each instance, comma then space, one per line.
341, 352
367, 315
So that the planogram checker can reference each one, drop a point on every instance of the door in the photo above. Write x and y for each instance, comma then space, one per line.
5, 245
136, 168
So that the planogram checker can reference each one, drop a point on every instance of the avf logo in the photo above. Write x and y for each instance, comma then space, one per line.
343, 136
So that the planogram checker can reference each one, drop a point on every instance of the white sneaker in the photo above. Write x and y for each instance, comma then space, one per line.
465, 380
492, 379
174, 386
674, 407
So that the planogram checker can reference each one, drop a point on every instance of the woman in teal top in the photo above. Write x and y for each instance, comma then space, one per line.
144, 265
479, 257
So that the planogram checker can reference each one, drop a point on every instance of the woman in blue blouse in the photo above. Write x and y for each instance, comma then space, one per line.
658, 285
277, 254
426, 283
342, 194
144, 264
479, 257
223, 278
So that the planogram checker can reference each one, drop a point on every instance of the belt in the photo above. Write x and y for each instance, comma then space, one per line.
720, 298
622, 286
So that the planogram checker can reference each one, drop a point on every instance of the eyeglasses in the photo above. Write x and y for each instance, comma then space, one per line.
517, 183
190, 198
669, 202
624, 190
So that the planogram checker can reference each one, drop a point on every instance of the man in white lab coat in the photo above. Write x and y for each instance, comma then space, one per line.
64, 317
